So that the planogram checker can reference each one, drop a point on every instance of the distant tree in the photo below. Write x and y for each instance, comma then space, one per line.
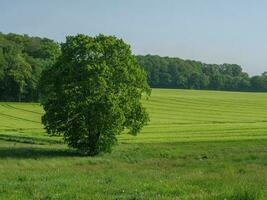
93, 93
19, 71
22, 59
16, 71
259, 83
177, 73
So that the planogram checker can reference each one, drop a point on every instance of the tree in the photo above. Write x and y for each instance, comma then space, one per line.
16, 72
169, 72
93, 92
22, 59
259, 83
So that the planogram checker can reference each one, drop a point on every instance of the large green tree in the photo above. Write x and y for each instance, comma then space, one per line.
93, 93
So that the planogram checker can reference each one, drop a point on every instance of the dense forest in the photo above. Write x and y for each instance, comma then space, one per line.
23, 58
169, 72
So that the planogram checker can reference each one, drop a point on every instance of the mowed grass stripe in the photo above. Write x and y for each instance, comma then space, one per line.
215, 102
206, 109
223, 138
16, 107
210, 118
210, 107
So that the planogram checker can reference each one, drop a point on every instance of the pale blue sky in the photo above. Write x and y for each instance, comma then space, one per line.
212, 31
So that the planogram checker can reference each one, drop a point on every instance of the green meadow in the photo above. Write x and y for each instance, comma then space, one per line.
203, 145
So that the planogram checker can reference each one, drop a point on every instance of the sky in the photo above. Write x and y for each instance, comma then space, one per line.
211, 31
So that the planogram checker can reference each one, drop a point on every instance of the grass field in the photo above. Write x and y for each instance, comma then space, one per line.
203, 145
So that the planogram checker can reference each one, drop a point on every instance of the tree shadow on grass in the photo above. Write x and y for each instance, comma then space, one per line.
27, 147
35, 152
28, 139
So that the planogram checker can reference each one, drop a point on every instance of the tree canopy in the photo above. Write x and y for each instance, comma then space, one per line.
22, 59
93, 92
169, 72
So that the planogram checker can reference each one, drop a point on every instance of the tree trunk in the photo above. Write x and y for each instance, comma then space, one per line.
93, 143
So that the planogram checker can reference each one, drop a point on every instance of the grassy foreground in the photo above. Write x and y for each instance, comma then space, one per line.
199, 145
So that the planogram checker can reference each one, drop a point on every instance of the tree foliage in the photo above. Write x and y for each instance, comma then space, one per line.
169, 72
93, 93
22, 59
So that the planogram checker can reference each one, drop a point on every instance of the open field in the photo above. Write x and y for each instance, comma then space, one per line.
198, 145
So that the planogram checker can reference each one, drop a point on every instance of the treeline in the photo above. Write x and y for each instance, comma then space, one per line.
166, 72
23, 58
